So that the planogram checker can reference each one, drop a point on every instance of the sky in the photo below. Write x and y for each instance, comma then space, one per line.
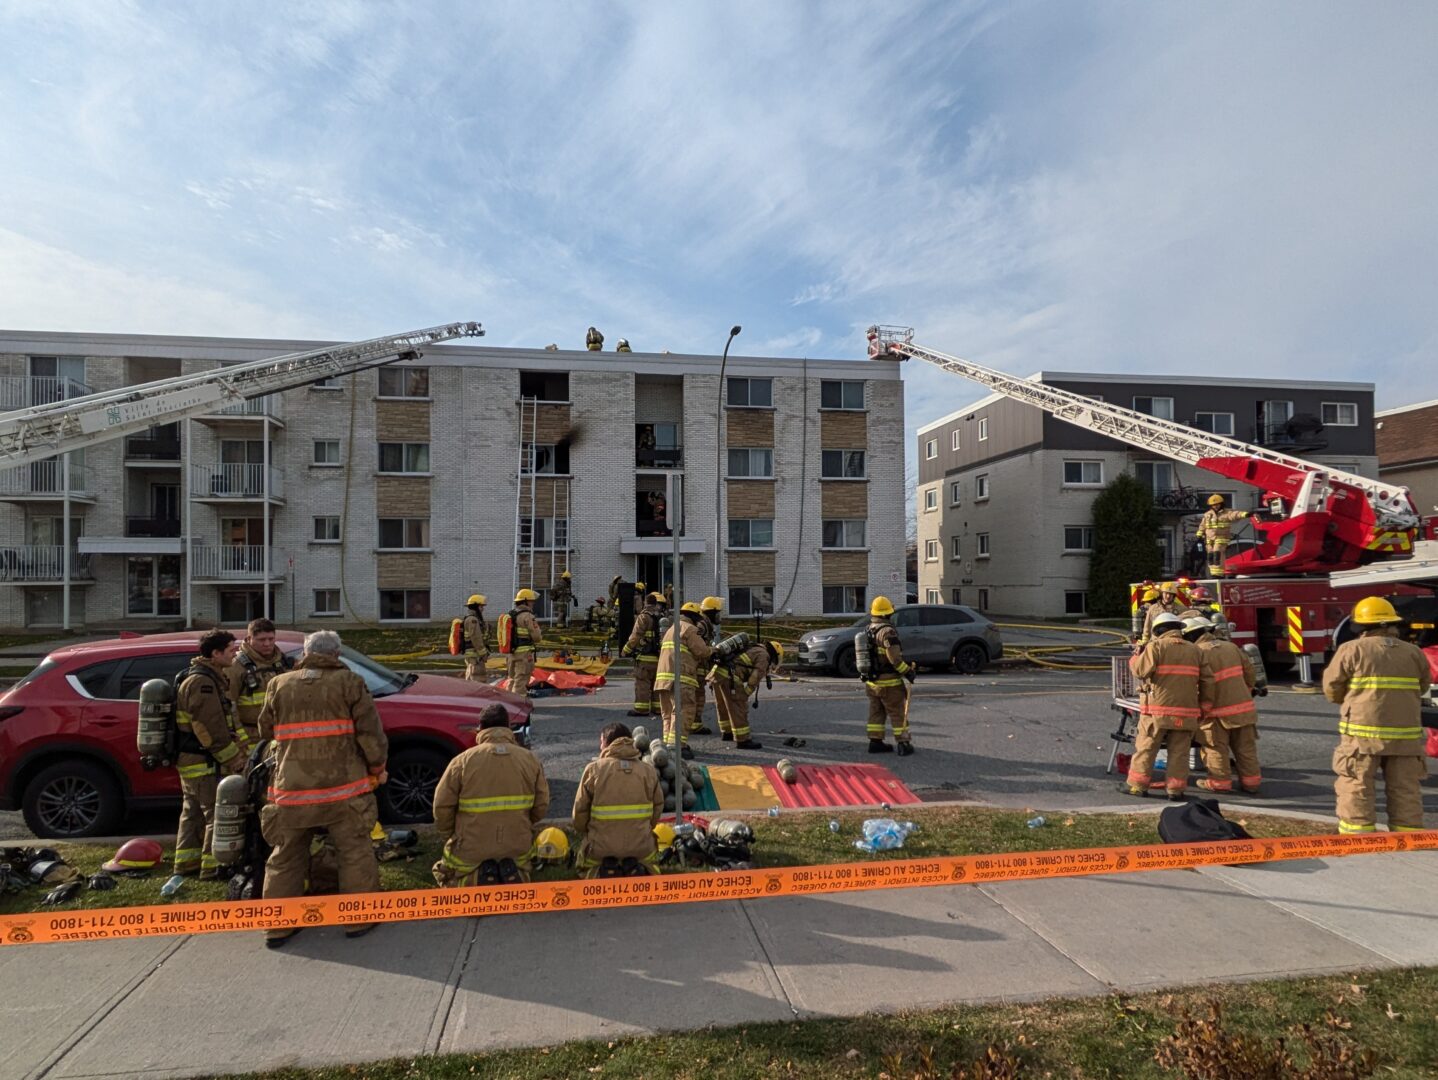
1220, 189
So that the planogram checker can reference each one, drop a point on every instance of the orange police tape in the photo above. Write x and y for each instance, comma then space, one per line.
103, 924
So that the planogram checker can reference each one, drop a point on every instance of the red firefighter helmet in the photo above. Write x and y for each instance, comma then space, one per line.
137, 854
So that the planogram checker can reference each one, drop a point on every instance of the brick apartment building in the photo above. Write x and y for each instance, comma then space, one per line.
1005, 490
1408, 451
391, 495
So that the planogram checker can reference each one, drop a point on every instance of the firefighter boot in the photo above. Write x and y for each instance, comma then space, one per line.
747, 744
879, 746
904, 749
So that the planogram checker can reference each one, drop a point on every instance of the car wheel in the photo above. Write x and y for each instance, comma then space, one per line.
969, 658
71, 800
408, 797
845, 664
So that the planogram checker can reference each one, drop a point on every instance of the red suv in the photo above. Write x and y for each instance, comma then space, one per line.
67, 732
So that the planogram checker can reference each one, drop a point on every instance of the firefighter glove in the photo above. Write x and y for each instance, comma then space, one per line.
909, 674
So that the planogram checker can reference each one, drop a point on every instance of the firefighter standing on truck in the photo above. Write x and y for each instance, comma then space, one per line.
488, 806
561, 596
1228, 723
208, 745
643, 645
520, 633
1216, 529
884, 682
618, 803
734, 683
685, 638
1168, 707
476, 632
258, 661
1380, 680
330, 757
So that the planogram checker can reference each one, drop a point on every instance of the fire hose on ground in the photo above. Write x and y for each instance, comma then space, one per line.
1039, 654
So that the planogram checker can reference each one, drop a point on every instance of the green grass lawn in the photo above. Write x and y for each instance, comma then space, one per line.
1393, 1016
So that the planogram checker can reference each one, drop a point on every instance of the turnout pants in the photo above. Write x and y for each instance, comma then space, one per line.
289, 829
891, 704
666, 710
474, 666
644, 671
197, 825
1242, 743
732, 709
1215, 550
697, 724
1357, 781
519, 665
1146, 745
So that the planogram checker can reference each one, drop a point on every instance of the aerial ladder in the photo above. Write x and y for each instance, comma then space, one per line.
1321, 520
44, 431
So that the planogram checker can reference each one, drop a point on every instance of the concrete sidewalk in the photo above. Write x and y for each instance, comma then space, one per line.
167, 1007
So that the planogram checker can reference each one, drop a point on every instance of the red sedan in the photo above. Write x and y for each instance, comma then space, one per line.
67, 732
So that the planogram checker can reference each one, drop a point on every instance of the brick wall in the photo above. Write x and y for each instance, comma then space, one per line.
844, 430
846, 567
749, 498
398, 496
402, 570
552, 423
401, 421
748, 427
844, 499
751, 568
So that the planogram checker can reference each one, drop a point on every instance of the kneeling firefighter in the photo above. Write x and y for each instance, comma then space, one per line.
617, 807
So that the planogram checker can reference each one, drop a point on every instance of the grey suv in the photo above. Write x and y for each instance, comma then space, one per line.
932, 635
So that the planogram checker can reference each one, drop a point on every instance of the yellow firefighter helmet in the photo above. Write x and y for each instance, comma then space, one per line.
525, 595
881, 606
1374, 611
477, 598
551, 846
1215, 500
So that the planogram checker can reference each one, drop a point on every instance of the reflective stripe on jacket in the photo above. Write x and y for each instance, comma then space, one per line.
204, 715
489, 800
644, 637
248, 682
618, 803
694, 654
889, 663
1216, 525
1225, 683
748, 670
1169, 668
1380, 681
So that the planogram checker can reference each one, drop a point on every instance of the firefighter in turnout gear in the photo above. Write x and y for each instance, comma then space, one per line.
1168, 668
643, 645
476, 633
1228, 721
888, 696
618, 803
527, 637
1166, 604
1380, 680
258, 661
596, 619
1216, 530
710, 608
561, 596
208, 745
488, 806
686, 638
734, 683
329, 758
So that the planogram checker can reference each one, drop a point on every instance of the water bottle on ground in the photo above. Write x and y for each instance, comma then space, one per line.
1036, 822
173, 886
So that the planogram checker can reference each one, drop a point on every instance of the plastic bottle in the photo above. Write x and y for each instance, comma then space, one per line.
173, 886
833, 826
1036, 822
773, 811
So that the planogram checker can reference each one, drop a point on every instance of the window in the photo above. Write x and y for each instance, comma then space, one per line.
547, 459
327, 602
931, 499
1219, 423
931, 551
404, 534
1157, 476
748, 461
933, 596
844, 533
95, 679
981, 487
152, 585
983, 539
955, 547
841, 464
141, 669
656, 446
549, 534
327, 452
1340, 414
942, 616
954, 439
931, 449
955, 489
408, 457
404, 605
327, 530
1161, 407
751, 393
1089, 473
843, 599
751, 532
841, 394
983, 428
329, 382
1078, 538
1075, 602
410, 382
751, 600
544, 385
983, 599
954, 596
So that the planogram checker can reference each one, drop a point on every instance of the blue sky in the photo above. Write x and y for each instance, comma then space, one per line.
1226, 188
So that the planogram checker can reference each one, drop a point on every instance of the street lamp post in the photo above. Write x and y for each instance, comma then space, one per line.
719, 462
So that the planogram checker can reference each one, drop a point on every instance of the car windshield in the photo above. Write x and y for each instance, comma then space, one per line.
381, 680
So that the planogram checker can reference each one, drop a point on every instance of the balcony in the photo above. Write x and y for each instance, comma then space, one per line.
152, 527
271, 407
158, 446
27, 391
42, 564
1301, 435
659, 457
235, 483
230, 562
44, 481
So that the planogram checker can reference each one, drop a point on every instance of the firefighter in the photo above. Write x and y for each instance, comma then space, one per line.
709, 608
1201, 603
888, 696
686, 637
1215, 529
593, 340
258, 661
525, 639
329, 759
734, 683
712, 608
596, 619
476, 635
488, 806
1380, 680
618, 803
643, 645
562, 595
208, 745
1166, 604
1168, 707
669, 596
1228, 723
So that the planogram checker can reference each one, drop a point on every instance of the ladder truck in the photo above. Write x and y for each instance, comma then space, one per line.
1293, 592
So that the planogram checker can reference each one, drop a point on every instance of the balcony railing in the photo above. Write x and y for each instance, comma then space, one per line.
234, 482
152, 527
659, 457
270, 405
229, 562
42, 562
46, 479
651, 527
157, 444
27, 391
1301, 435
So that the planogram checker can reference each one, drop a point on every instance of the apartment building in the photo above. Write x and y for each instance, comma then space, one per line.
391, 495
1005, 490
1408, 451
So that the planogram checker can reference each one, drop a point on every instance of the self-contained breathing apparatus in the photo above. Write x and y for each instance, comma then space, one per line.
238, 844
864, 650
157, 736
252, 679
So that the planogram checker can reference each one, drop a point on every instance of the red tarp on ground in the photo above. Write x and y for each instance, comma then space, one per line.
566, 680
841, 785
